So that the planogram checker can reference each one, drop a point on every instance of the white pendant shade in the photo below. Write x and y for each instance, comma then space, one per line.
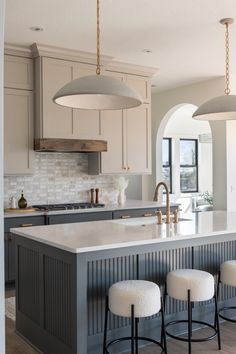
218, 108
97, 92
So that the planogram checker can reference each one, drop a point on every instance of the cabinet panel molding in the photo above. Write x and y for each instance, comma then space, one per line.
18, 72
18, 132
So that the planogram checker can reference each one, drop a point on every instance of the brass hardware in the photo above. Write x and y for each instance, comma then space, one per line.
128, 168
147, 214
176, 216
159, 217
92, 195
124, 168
98, 69
26, 225
125, 216
155, 199
226, 22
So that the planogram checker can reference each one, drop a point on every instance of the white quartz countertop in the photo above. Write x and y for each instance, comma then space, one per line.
112, 234
130, 204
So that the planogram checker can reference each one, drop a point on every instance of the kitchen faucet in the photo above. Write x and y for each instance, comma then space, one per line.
155, 199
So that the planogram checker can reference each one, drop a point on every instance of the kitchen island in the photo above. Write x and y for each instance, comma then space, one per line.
64, 272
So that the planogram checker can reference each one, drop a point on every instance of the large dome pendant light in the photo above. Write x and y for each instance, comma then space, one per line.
97, 92
222, 107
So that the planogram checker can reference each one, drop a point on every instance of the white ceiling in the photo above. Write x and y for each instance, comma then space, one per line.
185, 38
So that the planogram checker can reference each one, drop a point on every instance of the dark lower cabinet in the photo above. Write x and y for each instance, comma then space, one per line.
79, 217
9, 241
27, 221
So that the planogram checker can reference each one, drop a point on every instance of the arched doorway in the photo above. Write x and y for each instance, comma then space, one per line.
184, 158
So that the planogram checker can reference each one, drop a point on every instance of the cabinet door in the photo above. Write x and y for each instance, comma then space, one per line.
86, 123
6, 255
57, 121
18, 132
113, 161
141, 85
18, 72
138, 139
11, 258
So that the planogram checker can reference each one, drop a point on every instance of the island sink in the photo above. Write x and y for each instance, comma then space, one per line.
143, 221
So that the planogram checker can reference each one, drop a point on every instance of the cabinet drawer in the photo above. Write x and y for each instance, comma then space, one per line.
80, 217
23, 222
134, 213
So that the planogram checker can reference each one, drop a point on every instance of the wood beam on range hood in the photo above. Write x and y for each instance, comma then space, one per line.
69, 145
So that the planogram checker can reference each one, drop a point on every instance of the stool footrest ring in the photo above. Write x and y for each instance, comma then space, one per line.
115, 341
196, 340
226, 317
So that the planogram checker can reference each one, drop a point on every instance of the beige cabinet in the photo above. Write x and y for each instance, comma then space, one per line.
128, 135
18, 72
137, 140
141, 85
18, 132
54, 121
112, 127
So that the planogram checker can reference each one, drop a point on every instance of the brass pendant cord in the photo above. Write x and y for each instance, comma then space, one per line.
227, 89
98, 69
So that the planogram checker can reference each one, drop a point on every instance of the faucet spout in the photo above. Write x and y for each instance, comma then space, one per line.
155, 199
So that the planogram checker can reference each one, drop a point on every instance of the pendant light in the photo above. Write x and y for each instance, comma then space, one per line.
221, 107
97, 92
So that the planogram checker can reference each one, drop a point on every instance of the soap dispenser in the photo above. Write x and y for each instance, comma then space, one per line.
22, 202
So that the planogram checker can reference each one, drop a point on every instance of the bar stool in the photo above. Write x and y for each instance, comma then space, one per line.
134, 299
227, 276
192, 286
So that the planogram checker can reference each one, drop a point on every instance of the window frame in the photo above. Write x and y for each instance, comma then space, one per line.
169, 159
194, 165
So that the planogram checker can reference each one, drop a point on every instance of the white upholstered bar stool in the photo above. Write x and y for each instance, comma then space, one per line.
192, 285
134, 299
227, 276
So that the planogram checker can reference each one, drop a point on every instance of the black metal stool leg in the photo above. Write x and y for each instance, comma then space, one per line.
163, 330
105, 326
189, 322
217, 324
132, 329
136, 335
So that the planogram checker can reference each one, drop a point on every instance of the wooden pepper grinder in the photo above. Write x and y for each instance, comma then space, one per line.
97, 198
92, 195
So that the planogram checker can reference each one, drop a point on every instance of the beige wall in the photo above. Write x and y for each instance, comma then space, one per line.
163, 105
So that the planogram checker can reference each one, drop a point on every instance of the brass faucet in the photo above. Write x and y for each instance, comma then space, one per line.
155, 199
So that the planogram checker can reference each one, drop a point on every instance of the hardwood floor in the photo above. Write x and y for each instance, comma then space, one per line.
15, 345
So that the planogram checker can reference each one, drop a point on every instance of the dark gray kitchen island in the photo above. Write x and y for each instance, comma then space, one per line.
64, 272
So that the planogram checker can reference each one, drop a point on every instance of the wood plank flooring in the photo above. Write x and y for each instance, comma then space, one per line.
15, 345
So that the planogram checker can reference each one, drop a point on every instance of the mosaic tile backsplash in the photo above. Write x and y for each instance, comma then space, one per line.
60, 178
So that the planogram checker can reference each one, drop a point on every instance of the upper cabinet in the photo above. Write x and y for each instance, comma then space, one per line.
18, 116
54, 121
18, 72
127, 132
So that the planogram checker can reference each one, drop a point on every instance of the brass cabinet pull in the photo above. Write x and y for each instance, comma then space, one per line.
147, 214
26, 225
128, 168
125, 216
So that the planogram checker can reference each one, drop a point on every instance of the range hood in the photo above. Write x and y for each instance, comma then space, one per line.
69, 145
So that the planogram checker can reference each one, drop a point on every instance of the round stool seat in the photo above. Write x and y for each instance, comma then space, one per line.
144, 295
228, 273
200, 284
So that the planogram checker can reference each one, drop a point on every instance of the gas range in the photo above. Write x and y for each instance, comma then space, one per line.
68, 206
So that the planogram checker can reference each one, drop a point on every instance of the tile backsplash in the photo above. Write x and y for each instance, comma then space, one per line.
60, 178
